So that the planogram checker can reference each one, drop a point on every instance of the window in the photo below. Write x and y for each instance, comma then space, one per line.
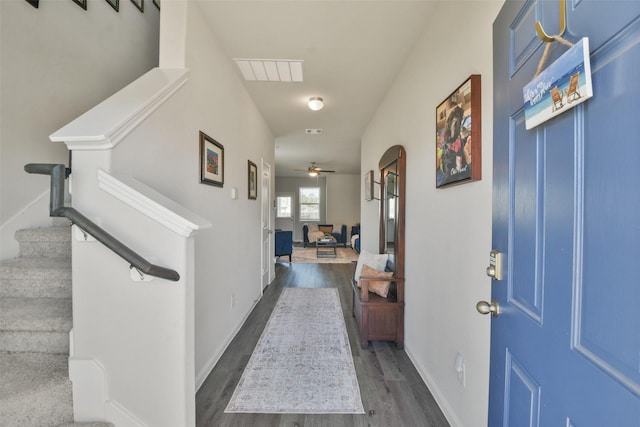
283, 207
310, 204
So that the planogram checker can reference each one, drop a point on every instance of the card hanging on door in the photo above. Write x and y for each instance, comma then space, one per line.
561, 86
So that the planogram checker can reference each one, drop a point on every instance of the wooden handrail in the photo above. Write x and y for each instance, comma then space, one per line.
58, 174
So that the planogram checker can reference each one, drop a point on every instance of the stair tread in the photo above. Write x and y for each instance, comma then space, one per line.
44, 234
35, 389
30, 267
35, 314
24, 372
94, 424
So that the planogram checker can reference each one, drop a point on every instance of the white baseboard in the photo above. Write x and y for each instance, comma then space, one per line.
90, 397
203, 373
442, 402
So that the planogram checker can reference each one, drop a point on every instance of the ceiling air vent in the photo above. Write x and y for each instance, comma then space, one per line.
270, 70
314, 131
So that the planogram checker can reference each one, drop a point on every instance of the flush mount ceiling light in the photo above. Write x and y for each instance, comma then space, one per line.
315, 103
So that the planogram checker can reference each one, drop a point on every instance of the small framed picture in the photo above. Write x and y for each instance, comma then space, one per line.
211, 161
139, 4
253, 180
81, 3
115, 4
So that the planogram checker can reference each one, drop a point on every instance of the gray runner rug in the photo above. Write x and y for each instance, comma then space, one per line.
302, 363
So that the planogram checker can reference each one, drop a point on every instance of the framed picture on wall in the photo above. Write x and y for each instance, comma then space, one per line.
253, 180
211, 161
156, 3
459, 135
114, 4
81, 3
139, 4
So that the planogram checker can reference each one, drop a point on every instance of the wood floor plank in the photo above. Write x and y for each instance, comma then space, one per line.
389, 383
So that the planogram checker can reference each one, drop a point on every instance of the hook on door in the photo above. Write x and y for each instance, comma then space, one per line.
563, 25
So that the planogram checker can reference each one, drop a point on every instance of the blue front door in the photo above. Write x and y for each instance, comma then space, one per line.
565, 350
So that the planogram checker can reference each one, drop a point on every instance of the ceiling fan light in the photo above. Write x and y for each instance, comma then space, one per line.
315, 103
313, 173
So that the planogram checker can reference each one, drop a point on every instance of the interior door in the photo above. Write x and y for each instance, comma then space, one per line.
267, 232
565, 349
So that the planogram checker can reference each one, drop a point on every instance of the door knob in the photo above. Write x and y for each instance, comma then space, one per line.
484, 307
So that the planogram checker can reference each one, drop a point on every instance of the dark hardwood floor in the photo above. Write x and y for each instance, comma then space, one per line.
393, 394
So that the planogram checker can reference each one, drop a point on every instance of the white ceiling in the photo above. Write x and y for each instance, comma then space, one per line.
352, 50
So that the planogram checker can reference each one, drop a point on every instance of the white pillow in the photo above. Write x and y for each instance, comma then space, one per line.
375, 261
313, 226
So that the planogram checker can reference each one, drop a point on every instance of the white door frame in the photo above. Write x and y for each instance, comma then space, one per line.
267, 272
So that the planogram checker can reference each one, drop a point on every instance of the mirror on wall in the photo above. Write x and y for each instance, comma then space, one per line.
391, 200
392, 176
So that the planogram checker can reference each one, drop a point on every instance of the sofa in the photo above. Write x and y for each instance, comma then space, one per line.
284, 243
311, 232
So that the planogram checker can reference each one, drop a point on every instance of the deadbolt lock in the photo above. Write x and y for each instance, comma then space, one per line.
494, 270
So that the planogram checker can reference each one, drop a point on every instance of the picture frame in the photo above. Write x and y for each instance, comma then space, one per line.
253, 180
156, 3
34, 3
115, 4
81, 3
368, 186
211, 161
139, 4
458, 124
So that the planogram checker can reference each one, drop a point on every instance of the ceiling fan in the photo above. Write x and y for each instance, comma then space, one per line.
314, 170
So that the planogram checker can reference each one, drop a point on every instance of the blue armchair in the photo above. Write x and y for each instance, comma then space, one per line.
284, 243
355, 242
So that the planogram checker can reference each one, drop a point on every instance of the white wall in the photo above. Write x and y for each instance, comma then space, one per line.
58, 61
448, 231
343, 200
164, 154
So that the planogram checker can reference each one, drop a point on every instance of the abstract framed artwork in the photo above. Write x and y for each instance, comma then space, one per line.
253, 180
211, 161
139, 4
458, 122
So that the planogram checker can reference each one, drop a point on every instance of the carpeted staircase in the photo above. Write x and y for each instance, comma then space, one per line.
35, 320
